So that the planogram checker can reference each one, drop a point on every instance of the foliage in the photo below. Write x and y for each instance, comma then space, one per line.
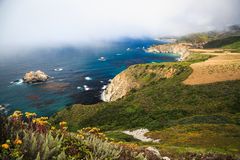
119, 136
46, 146
235, 46
37, 139
196, 57
228, 43
102, 149
198, 37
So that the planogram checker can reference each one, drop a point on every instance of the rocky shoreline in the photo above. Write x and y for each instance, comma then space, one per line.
176, 48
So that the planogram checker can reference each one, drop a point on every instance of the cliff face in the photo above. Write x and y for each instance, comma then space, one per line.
119, 87
135, 77
176, 48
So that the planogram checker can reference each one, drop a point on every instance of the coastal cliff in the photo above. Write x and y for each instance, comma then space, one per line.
177, 48
135, 77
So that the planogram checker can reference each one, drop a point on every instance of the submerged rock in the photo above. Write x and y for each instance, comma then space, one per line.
34, 77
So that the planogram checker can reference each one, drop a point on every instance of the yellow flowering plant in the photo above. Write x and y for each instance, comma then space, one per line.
5, 146
63, 126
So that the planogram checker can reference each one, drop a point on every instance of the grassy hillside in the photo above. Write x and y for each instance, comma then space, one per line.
235, 46
199, 37
227, 43
203, 37
165, 105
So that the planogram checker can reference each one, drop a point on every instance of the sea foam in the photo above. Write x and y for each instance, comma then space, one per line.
58, 69
88, 78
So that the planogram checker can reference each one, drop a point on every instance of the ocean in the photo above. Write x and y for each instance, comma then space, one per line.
78, 74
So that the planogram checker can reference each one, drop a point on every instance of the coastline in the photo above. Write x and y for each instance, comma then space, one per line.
181, 49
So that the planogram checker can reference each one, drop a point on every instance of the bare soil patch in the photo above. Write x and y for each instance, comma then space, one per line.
223, 67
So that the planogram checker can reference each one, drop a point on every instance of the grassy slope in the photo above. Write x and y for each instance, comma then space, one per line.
227, 43
169, 105
234, 46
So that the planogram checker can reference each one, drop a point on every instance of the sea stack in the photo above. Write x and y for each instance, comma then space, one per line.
35, 77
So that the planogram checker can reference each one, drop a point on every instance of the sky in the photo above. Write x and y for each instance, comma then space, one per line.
50, 23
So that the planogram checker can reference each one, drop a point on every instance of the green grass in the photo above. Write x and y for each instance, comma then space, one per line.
165, 105
227, 43
235, 46
119, 136
196, 57
203, 138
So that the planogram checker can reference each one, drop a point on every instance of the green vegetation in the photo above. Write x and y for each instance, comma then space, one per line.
199, 37
167, 105
227, 43
36, 139
118, 135
215, 39
196, 57
204, 137
235, 46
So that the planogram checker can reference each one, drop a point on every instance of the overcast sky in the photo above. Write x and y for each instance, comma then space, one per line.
45, 23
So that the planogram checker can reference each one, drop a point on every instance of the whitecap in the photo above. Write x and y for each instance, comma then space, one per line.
101, 81
58, 69
104, 87
86, 88
17, 82
4, 108
128, 49
79, 88
88, 78
118, 54
102, 59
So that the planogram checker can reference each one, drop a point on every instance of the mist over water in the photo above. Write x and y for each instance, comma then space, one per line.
27, 24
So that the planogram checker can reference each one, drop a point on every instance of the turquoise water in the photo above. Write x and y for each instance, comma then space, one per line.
78, 74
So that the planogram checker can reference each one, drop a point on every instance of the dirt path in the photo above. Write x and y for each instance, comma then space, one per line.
223, 67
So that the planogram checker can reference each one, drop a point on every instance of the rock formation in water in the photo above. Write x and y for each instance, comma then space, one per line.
34, 77
177, 48
135, 77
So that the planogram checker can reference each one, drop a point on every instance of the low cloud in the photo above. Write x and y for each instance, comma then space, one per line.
46, 23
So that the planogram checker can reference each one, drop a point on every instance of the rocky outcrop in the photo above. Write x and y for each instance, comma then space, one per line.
119, 87
135, 77
177, 48
34, 77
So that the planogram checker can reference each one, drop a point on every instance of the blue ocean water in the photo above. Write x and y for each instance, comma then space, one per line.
78, 74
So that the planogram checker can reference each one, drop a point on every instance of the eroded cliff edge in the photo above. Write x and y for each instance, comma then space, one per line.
137, 76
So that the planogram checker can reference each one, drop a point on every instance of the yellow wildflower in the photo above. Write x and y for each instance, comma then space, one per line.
5, 146
80, 136
53, 128
18, 141
44, 118
16, 114
40, 121
29, 114
63, 123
